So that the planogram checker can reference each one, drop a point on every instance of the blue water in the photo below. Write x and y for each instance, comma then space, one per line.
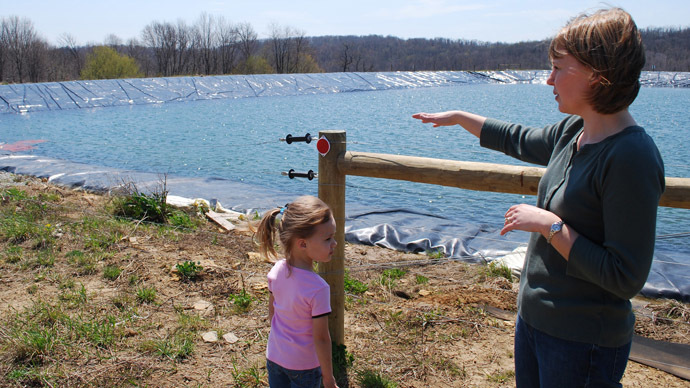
237, 139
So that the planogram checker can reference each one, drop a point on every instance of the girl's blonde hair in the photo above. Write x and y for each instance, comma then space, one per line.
295, 220
609, 43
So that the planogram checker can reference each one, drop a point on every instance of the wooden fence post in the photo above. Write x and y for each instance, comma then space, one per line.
332, 191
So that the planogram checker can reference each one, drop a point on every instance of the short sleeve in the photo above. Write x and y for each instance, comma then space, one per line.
321, 302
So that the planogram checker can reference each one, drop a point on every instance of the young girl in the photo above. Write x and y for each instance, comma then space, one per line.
593, 228
299, 345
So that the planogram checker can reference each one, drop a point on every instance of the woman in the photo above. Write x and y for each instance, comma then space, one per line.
593, 227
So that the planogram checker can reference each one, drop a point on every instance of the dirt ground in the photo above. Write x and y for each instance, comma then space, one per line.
434, 323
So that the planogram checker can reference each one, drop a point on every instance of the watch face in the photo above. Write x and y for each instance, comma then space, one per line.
556, 227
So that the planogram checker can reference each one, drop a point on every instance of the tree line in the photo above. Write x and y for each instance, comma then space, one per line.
212, 45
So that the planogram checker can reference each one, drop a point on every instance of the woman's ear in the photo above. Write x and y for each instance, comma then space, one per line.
302, 243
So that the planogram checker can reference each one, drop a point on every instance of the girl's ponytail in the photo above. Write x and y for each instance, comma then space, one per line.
266, 233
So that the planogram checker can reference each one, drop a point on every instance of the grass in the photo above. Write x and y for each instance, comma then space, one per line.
91, 302
420, 279
253, 376
369, 378
176, 347
501, 376
389, 276
494, 269
436, 254
111, 272
146, 295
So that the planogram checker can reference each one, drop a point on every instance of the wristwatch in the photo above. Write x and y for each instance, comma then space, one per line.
555, 228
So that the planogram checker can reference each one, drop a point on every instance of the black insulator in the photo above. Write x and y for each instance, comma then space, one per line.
309, 174
290, 139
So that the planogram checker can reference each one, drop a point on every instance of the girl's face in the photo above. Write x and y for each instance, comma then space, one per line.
320, 246
571, 81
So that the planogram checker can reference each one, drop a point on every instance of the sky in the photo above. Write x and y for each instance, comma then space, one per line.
509, 21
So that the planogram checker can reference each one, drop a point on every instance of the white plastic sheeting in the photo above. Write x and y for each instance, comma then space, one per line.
23, 98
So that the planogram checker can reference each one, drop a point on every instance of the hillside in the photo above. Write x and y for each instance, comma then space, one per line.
92, 300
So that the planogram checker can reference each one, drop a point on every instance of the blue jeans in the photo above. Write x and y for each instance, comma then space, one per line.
279, 377
545, 361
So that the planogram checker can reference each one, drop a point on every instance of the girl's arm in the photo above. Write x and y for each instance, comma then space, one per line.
270, 308
322, 343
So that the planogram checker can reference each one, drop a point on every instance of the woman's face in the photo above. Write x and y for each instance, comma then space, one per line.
572, 82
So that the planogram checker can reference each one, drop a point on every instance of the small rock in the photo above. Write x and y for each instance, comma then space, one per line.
424, 292
259, 286
210, 336
202, 305
230, 338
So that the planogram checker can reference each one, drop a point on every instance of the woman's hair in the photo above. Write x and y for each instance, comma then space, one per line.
609, 43
296, 220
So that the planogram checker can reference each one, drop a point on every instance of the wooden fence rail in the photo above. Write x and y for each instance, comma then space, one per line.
338, 163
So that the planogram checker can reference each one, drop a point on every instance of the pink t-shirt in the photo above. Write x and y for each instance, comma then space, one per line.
298, 296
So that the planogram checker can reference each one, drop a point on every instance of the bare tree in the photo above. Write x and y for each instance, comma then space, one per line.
228, 44
3, 47
20, 35
345, 57
185, 42
289, 50
247, 40
113, 41
280, 46
36, 60
141, 54
69, 43
170, 44
206, 38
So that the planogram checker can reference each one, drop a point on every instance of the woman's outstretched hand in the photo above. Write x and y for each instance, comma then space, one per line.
440, 119
470, 121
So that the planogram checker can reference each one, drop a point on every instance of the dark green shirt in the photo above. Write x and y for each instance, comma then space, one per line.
609, 193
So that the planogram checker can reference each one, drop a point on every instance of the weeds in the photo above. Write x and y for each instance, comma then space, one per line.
353, 285
139, 206
13, 254
179, 347
241, 301
250, 377
189, 270
501, 377
192, 322
342, 360
494, 269
369, 378
389, 276
146, 295
436, 254
111, 272
419, 279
